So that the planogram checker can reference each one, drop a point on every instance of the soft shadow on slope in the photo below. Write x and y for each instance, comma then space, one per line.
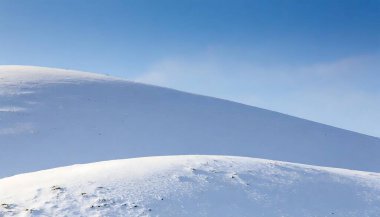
49, 120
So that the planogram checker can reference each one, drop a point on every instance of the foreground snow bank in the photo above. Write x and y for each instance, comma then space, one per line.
191, 186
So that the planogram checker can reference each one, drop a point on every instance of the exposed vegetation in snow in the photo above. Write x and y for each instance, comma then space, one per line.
192, 186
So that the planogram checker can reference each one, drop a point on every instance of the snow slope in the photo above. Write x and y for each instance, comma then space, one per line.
192, 186
53, 117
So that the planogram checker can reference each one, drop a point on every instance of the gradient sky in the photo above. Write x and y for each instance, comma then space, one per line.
315, 59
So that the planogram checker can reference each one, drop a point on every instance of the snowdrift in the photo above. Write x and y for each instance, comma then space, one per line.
53, 117
192, 186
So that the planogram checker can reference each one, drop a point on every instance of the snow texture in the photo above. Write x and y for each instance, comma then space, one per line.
53, 117
192, 186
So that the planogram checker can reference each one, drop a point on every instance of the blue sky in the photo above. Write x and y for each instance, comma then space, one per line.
315, 59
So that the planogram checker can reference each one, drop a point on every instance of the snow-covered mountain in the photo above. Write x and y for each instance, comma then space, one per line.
53, 117
192, 186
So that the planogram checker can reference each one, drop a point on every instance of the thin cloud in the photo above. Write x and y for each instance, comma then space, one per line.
342, 93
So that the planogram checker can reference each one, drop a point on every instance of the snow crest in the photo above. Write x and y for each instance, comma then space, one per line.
54, 117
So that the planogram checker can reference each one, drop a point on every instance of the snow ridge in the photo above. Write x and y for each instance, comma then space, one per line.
61, 117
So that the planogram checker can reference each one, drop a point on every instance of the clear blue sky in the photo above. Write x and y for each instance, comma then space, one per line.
315, 59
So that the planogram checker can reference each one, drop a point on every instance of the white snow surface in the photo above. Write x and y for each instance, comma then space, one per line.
192, 186
54, 117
